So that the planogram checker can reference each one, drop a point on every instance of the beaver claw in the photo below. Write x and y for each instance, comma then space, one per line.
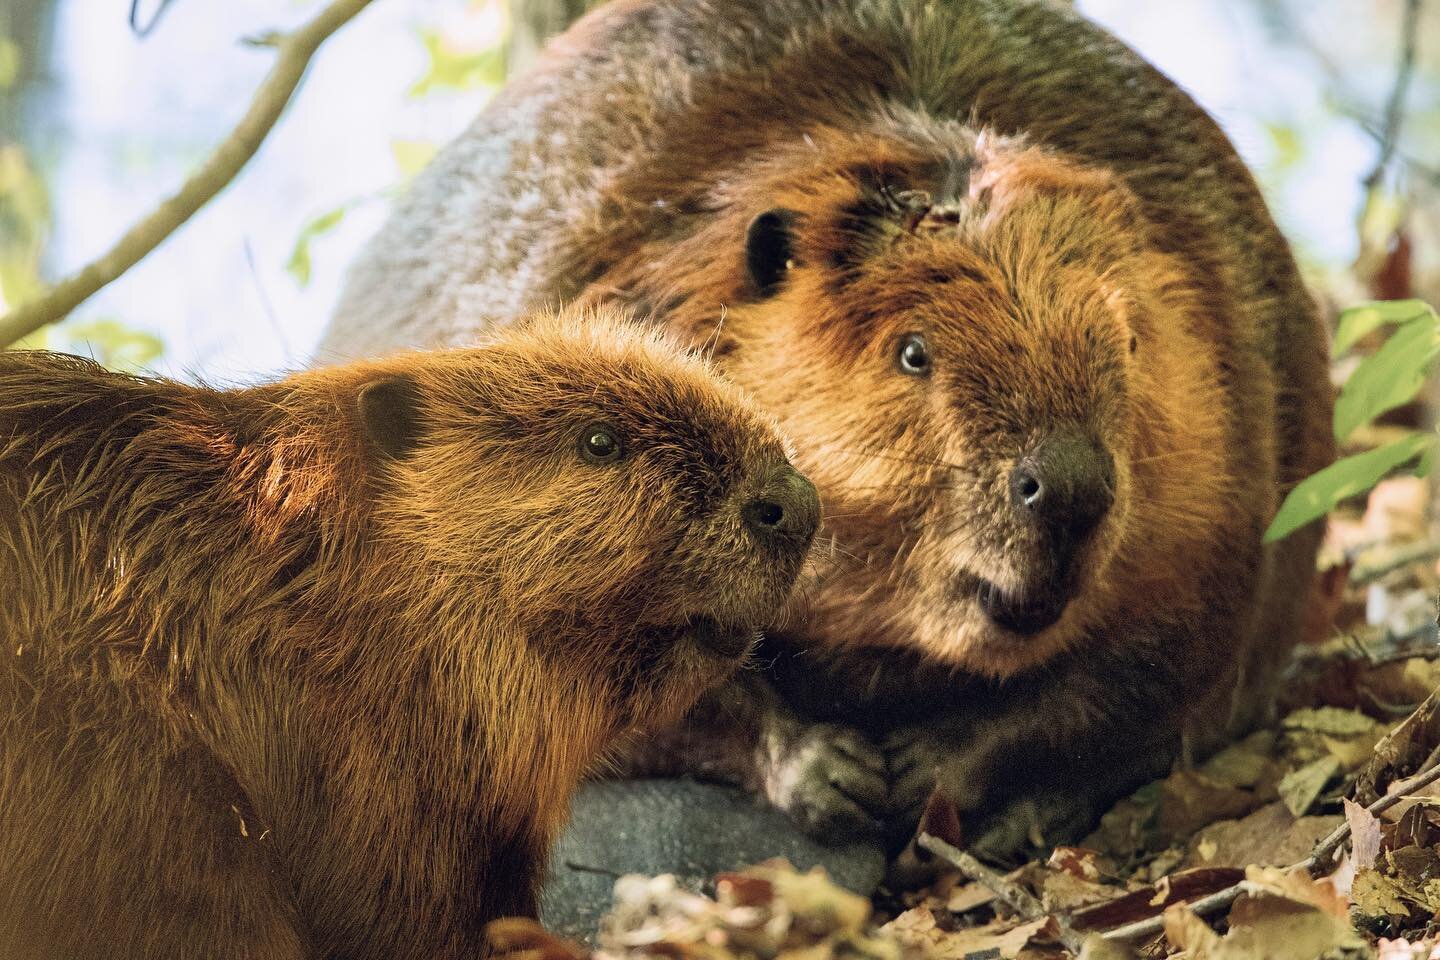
912, 762
1030, 826
830, 780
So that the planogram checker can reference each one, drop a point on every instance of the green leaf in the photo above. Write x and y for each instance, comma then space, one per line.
24, 227
412, 155
1317, 495
299, 262
1360, 320
1288, 147
10, 61
113, 344
457, 69
1389, 378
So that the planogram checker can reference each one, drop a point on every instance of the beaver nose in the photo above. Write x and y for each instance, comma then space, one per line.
1065, 485
786, 510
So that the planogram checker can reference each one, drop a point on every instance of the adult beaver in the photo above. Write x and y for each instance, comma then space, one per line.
1022, 309
311, 669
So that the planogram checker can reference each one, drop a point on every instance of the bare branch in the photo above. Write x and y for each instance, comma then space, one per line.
1395, 105
294, 51
144, 30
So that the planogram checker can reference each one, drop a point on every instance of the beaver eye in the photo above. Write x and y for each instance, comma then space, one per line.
598, 444
913, 355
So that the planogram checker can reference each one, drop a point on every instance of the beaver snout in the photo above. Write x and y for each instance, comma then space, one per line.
1064, 487
786, 511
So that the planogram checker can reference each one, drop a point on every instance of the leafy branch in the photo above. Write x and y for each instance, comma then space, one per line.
1391, 377
293, 54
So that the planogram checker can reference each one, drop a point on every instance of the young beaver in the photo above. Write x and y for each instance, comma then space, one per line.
312, 669
1024, 312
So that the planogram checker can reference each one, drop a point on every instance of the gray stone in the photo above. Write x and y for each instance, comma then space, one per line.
693, 830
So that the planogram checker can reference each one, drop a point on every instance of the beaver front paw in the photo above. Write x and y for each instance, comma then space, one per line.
830, 779
1030, 826
913, 761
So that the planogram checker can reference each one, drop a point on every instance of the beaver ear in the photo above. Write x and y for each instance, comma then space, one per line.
389, 412
770, 249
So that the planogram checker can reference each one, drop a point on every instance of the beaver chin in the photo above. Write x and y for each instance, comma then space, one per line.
1026, 611
1032, 603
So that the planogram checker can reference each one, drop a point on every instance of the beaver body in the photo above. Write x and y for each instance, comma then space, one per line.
311, 669
1025, 314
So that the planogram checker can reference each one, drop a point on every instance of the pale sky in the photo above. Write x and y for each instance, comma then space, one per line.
134, 116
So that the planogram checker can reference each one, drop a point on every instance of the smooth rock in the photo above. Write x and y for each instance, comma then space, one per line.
692, 830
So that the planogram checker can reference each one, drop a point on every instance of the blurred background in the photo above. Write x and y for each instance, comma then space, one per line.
105, 108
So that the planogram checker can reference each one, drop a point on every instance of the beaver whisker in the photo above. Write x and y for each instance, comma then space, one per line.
835, 548
902, 485
896, 455
1194, 451
814, 570
708, 349
846, 516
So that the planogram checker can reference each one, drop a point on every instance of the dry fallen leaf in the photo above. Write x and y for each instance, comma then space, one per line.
1270, 835
1281, 916
1189, 800
765, 912
1301, 788
968, 897
1005, 938
1377, 897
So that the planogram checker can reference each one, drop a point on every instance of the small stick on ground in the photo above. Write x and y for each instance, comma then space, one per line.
1316, 862
1011, 894
1399, 790
293, 53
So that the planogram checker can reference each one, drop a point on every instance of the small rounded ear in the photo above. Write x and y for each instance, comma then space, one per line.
389, 413
769, 249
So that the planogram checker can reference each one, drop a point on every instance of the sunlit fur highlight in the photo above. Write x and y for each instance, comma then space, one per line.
265, 692
1030, 297
627, 166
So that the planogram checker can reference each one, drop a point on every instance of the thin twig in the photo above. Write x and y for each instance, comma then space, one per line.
1429, 651
1212, 903
293, 55
1318, 858
1363, 574
149, 27
598, 871
1395, 104
1398, 791
1011, 894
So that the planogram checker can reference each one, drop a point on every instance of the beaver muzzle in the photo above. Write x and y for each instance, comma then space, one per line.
1060, 492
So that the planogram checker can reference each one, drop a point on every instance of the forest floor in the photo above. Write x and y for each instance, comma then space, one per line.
1318, 837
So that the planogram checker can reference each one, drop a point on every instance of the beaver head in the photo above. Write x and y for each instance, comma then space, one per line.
635, 518
1002, 388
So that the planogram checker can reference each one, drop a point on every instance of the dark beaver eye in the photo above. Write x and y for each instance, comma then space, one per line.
913, 355
598, 444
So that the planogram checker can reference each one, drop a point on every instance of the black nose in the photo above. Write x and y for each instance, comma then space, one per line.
787, 509
1065, 486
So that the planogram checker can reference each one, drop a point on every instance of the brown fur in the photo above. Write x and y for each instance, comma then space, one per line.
269, 690
1012, 182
